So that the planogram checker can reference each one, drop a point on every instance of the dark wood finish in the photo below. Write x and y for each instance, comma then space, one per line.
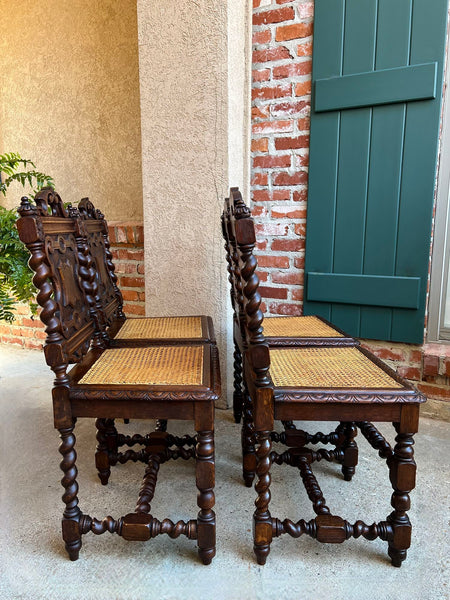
206, 523
402, 473
232, 206
109, 317
109, 301
106, 447
354, 408
325, 411
349, 449
238, 394
248, 441
235, 205
54, 256
72, 513
109, 298
262, 522
69, 296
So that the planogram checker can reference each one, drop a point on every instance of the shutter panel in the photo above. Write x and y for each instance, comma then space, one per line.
377, 85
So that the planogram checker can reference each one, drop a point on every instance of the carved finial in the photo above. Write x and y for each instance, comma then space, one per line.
87, 209
47, 197
25, 208
73, 211
238, 207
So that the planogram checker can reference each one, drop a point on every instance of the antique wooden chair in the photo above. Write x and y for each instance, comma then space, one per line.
345, 384
147, 382
113, 326
279, 331
304, 331
116, 329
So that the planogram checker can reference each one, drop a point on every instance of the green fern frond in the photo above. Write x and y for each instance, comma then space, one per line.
7, 303
15, 275
10, 163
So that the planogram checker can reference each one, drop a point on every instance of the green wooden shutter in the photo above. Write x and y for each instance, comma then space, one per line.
377, 86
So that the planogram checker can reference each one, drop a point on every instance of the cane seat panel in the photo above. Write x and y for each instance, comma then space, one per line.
161, 328
298, 327
327, 368
158, 365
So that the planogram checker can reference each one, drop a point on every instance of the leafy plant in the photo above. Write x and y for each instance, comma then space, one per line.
10, 163
15, 275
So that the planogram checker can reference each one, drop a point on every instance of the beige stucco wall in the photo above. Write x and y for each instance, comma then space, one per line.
239, 38
187, 68
69, 98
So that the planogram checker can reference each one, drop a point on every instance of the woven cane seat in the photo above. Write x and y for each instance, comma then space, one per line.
158, 365
298, 327
327, 368
161, 328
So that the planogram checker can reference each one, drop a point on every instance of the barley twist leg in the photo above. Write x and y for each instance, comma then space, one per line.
72, 513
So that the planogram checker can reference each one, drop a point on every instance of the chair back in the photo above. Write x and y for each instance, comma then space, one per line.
233, 263
109, 301
246, 279
63, 276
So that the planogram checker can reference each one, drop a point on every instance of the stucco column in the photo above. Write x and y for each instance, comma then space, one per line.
184, 67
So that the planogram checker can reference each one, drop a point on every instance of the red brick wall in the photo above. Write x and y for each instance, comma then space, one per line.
26, 331
427, 366
127, 246
281, 97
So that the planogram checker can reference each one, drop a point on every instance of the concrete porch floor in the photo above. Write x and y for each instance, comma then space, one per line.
34, 564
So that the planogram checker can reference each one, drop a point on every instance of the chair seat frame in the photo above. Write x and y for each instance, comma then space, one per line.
106, 403
207, 335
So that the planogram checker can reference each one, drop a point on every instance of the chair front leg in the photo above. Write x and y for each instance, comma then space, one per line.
72, 514
402, 473
248, 441
349, 447
262, 532
205, 477
106, 448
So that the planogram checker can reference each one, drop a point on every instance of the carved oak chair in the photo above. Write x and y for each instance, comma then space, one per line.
279, 331
154, 382
113, 326
304, 331
321, 384
116, 329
